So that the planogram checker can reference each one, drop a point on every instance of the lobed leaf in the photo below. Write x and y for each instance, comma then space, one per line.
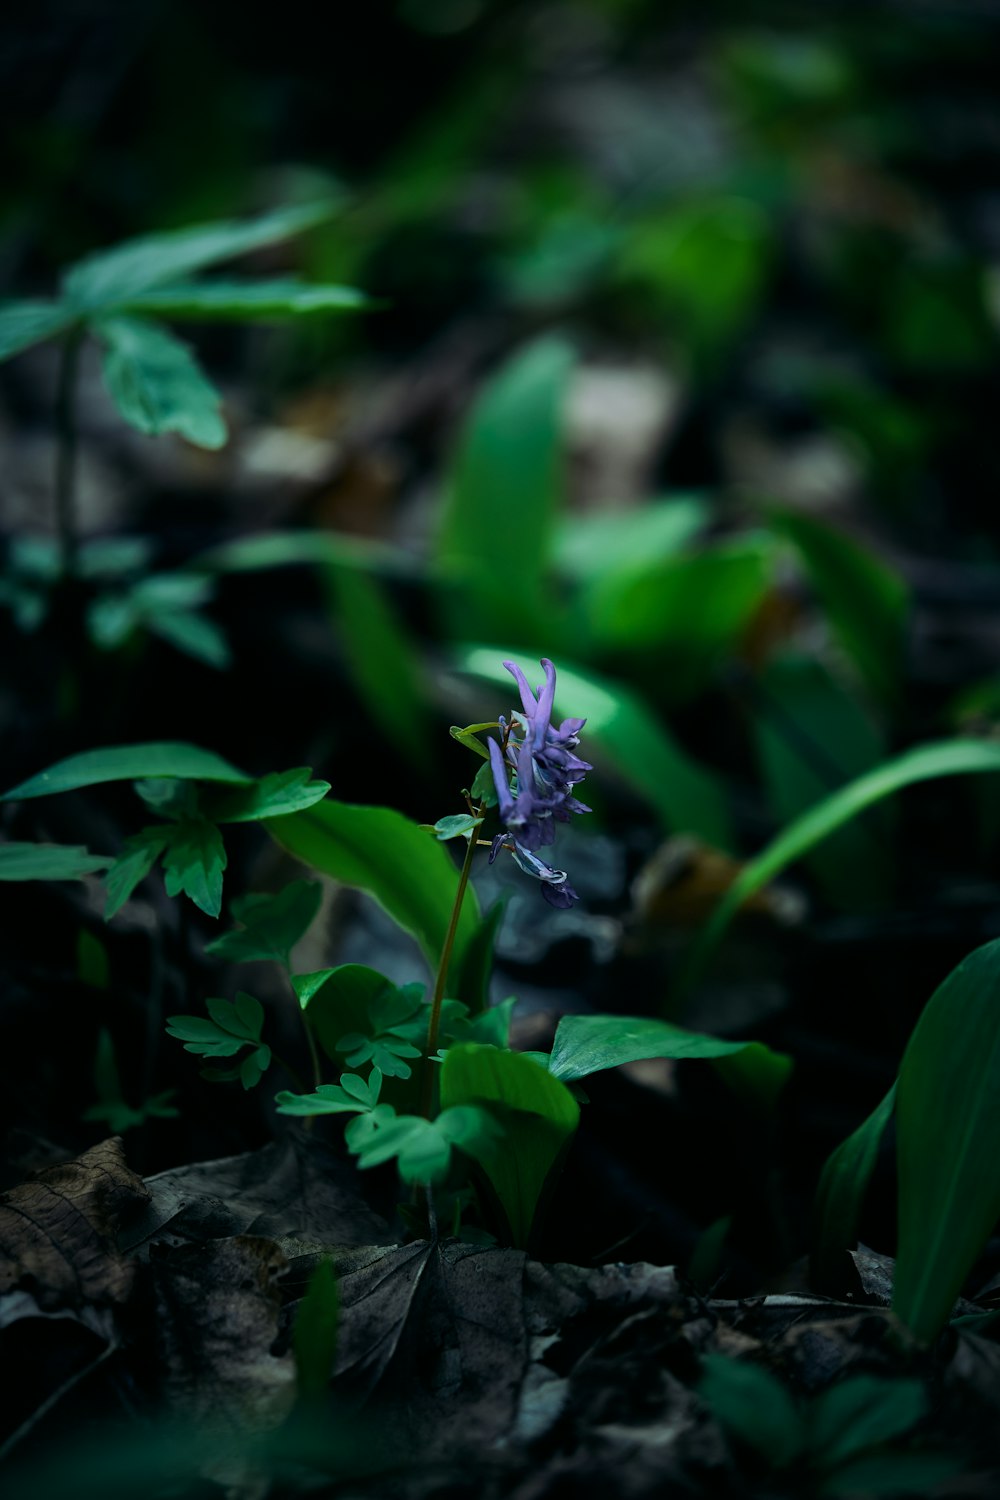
157, 384
271, 925
194, 858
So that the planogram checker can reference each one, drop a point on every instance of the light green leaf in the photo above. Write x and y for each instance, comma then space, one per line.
25, 323
194, 858
248, 301
192, 634
865, 600
840, 1195
948, 1142
588, 1044
273, 796
284, 549
539, 1115
861, 1413
137, 858
378, 850
306, 985
314, 1333
754, 1406
330, 1099
924, 763
157, 384
589, 546
128, 763
115, 277
49, 862
626, 734
455, 825
271, 925
505, 490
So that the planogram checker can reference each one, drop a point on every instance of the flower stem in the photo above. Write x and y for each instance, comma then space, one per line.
441, 978
65, 477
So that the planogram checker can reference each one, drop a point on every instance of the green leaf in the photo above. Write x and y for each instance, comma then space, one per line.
455, 825
907, 1474
865, 601
253, 1067
270, 925
632, 741
840, 1195
248, 301
194, 858
25, 323
111, 1107
378, 850
306, 985
589, 546
539, 1116
314, 1333
473, 974
588, 1044
924, 763
753, 1406
157, 384
423, 1149
333, 1098
128, 763
948, 1141
115, 277
273, 796
282, 549
338, 1001
505, 490
193, 635
860, 1413
484, 788
48, 862
137, 858
812, 736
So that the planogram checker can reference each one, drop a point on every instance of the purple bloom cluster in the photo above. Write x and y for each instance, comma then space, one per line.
545, 770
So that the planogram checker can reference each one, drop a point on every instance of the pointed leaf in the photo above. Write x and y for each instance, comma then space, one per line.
273, 796
314, 1333
128, 763
754, 1406
841, 1194
861, 1413
340, 1003
49, 862
25, 323
472, 979
271, 925
134, 863
158, 385
378, 850
248, 301
193, 861
948, 1142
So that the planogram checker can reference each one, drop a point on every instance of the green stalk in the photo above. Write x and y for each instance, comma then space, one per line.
65, 477
434, 1025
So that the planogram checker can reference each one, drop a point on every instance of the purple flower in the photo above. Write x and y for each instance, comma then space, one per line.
545, 770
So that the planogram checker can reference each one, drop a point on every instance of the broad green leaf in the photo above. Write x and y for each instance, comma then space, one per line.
247, 301
840, 1195
948, 1142
455, 825
136, 860
314, 1333
243, 1017
25, 323
378, 850
865, 601
382, 659
588, 1044
273, 796
861, 1413
812, 736
157, 384
128, 763
924, 763
754, 1406
306, 985
539, 1115
630, 739
271, 925
421, 1148
194, 858
589, 546
338, 1002
328, 1099
504, 494
471, 980
48, 862
115, 277
484, 788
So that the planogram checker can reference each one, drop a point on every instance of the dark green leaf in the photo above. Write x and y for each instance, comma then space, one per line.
134, 863
254, 1066
115, 277
422, 1148
273, 796
333, 1098
860, 1413
314, 1333
48, 862
917, 1473
192, 634
539, 1116
753, 1406
25, 323
840, 1195
128, 763
626, 735
377, 850
338, 1001
158, 385
194, 858
948, 1142
865, 600
455, 825
472, 977
248, 301
484, 788
505, 490
924, 763
271, 925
